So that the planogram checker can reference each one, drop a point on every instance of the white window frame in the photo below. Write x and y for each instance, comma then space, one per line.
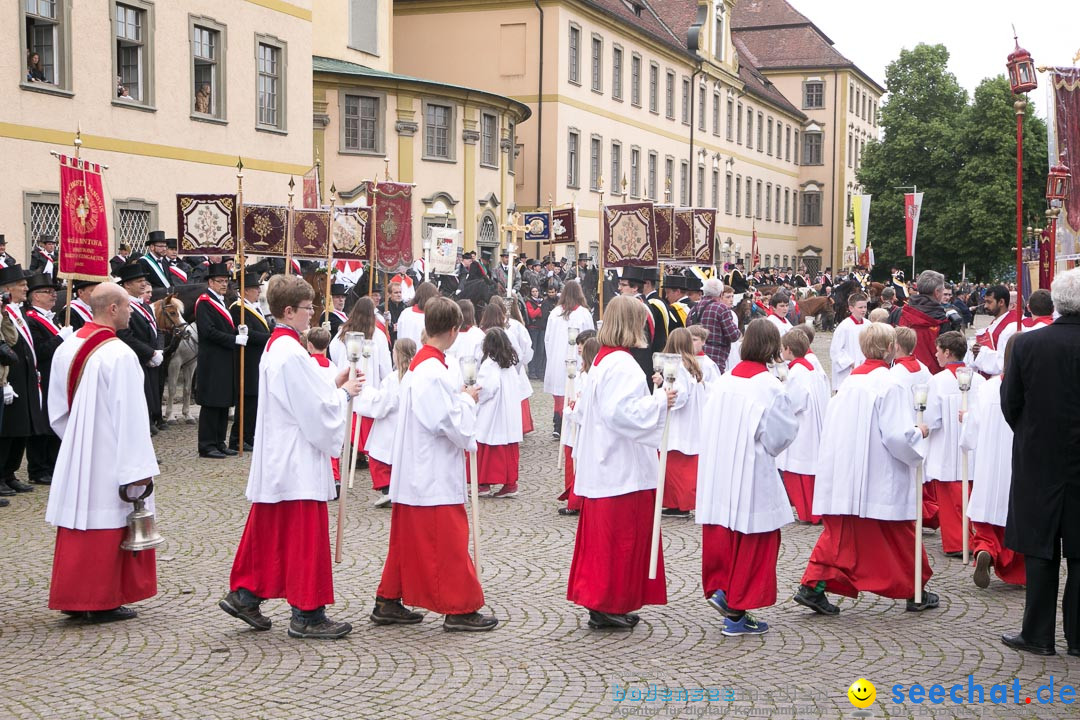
635, 171
60, 46
281, 124
145, 51
573, 158
218, 104
596, 63
380, 123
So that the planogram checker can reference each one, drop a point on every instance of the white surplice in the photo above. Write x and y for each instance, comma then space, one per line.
300, 426
808, 391
570, 427
498, 412
620, 429
382, 405
781, 324
985, 430
105, 437
710, 371
844, 350
467, 344
557, 344
991, 361
685, 429
436, 424
375, 369
410, 325
869, 450
943, 459
738, 486
816, 362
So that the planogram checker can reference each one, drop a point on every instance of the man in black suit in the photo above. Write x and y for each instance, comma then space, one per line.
337, 314
142, 336
155, 261
737, 278
42, 448
1039, 396
259, 328
5, 259
120, 259
43, 257
80, 305
216, 386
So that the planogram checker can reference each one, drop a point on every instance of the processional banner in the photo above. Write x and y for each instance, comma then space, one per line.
206, 224
629, 235
84, 232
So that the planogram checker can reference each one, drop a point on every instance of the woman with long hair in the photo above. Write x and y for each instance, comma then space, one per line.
498, 415
471, 337
571, 312
684, 432
617, 465
411, 320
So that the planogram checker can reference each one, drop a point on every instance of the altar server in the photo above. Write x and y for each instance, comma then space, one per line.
588, 347
741, 500
411, 321
617, 467
498, 420
808, 391
779, 304
362, 319
97, 407
428, 562
684, 428
864, 488
844, 349
710, 371
571, 312
908, 371
382, 404
470, 338
285, 549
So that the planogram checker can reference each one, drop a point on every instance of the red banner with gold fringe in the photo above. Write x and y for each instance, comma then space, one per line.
84, 232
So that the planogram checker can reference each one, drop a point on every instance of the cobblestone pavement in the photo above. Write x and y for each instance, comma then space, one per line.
184, 658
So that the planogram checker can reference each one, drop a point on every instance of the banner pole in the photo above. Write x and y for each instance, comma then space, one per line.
289, 230
603, 277
243, 263
329, 254
374, 235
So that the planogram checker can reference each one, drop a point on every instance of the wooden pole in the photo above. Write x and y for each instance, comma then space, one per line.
374, 235
289, 230
964, 476
354, 449
327, 300
1019, 106
603, 277
474, 477
919, 409
243, 262
343, 487
658, 506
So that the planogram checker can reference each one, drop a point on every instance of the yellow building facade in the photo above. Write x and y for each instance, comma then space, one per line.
654, 94
168, 95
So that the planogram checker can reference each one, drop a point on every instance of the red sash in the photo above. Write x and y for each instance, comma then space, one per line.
178, 273
20, 325
95, 336
995, 334
281, 331
803, 362
82, 310
44, 321
224, 313
425, 353
605, 351
869, 366
145, 313
748, 369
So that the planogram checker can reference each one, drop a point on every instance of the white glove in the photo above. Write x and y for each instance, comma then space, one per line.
241, 340
157, 358
67, 331
9, 394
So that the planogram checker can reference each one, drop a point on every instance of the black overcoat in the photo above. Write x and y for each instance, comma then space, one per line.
216, 382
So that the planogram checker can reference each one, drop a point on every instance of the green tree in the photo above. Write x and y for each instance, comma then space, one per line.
960, 155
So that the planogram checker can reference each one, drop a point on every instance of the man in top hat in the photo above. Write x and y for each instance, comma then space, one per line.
22, 415
120, 259
662, 319
694, 292
178, 269
5, 259
216, 384
141, 335
41, 448
674, 297
43, 258
550, 273
631, 282
155, 262
96, 407
737, 278
337, 311
259, 329
80, 311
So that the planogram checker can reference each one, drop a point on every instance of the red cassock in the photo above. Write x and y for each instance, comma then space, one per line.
855, 554
573, 500
428, 564
526, 417
380, 473
285, 553
950, 497
930, 507
800, 491
91, 572
680, 481
1008, 565
365, 430
742, 565
610, 569
497, 464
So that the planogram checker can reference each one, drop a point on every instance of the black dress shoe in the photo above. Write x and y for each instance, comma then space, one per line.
229, 452
153, 430
102, 616
1075, 652
214, 454
43, 480
4, 503
1017, 642
248, 447
5, 491
19, 486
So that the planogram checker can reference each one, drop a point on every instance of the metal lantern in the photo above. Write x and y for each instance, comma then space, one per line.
1057, 182
1021, 70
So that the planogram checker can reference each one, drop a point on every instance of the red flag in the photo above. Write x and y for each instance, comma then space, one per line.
311, 188
753, 250
912, 210
84, 232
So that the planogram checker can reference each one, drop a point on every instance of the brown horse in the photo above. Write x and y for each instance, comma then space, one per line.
820, 308
181, 354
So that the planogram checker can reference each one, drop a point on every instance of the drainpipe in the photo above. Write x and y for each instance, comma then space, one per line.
693, 104
539, 112
832, 204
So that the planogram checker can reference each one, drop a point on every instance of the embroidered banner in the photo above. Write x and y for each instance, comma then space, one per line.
84, 232
704, 235
393, 224
310, 233
564, 225
537, 226
206, 224
629, 235
264, 229
664, 217
683, 243
350, 233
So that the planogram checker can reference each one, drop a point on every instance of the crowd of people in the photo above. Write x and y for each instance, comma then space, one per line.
444, 376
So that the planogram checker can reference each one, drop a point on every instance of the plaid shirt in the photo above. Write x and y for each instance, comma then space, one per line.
719, 320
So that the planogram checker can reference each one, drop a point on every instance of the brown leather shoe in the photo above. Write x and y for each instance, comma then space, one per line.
392, 612
470, 622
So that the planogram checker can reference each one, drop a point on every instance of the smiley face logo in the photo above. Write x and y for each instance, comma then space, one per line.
862, 693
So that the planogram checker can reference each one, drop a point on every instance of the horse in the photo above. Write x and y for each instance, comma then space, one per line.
181, 353
821, 309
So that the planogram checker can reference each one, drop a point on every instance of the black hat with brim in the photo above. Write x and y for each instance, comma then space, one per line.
82, 284
584, 256
678, 282
155, 236
338, 290
633, 272
132, 271
40, 281
11, 274
252, 280
217, 270
171, 243
692, 282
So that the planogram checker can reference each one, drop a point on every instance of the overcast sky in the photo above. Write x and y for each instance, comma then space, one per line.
977, 33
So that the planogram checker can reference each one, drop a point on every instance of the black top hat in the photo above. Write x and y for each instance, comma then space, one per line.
338, 290
584, 256
40, 281
11, 274
651, 274
2, 240
676, 282
530, 263
217, 270
633, 272
252, 280
78, 285
171, 243
739, 261
155, 236
692, 281
46, 238
504, 253
132, 271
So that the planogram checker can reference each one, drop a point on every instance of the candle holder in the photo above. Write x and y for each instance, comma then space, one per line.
920, 393
671, 367
571, 335
326, 326
354, 346
780, 371
963, 378
658, 363
468, 370
571, 368
367, 348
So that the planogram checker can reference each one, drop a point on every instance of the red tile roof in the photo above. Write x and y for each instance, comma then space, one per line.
758, 85
648, 21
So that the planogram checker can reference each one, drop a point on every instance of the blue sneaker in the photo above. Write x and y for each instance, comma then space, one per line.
747, 625
719, 601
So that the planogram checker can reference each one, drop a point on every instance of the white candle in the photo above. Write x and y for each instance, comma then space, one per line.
920, 392
368, 348
571, 335
468, 370
658, 362
781, 372
671, 365
354, 345
963, 378
571, 367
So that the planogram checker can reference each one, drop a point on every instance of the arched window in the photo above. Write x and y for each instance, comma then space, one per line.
488, 235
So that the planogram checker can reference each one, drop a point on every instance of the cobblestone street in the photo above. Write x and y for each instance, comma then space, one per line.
184, 658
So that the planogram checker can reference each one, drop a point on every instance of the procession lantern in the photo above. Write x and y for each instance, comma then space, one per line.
1021, 70
1057, 182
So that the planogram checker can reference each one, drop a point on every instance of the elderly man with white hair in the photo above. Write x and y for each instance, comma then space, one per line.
1039, 396
716, 315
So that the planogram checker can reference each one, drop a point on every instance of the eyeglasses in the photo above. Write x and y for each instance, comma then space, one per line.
308, 308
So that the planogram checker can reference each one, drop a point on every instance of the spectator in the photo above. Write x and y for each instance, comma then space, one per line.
536, 322
202, 99
714, 313
925, 314
35, 72
960, 302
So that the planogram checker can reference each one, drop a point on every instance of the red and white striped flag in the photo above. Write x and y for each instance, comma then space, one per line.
912, 210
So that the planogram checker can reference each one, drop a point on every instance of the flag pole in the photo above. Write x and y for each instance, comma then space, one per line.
374, 234
70, 283
603, 276
242, 263
289, 230
329, 254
